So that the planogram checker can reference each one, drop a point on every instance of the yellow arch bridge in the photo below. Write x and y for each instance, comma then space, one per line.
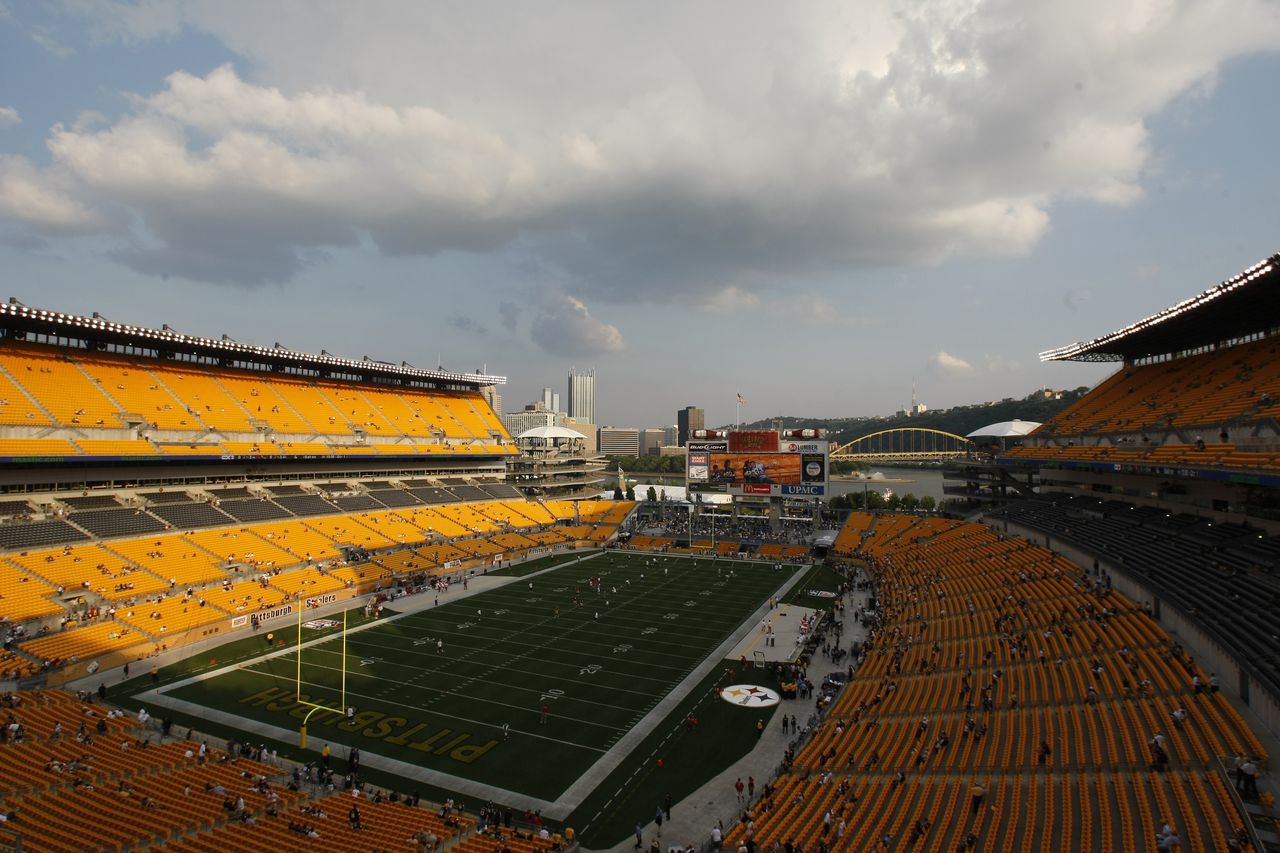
904, 444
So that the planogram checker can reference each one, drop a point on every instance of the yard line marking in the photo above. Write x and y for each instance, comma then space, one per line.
471, 719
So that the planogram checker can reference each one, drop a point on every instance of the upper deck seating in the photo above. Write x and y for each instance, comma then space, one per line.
43, 385
1197, 391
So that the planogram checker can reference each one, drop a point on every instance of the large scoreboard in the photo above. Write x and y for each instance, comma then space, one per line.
764, 463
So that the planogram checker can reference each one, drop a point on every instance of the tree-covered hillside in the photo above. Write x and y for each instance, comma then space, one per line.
960, 420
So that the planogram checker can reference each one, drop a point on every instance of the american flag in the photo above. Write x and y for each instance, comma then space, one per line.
742, 401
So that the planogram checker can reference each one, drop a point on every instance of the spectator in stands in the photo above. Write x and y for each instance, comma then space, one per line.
1247, 780
1168, 839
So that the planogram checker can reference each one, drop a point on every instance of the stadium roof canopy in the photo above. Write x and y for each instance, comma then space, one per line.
549, 432
1004, 429
96, 332
1244, 305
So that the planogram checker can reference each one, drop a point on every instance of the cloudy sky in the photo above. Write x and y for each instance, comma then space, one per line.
810, 204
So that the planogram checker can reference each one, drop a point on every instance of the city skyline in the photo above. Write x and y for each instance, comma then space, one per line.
810, 206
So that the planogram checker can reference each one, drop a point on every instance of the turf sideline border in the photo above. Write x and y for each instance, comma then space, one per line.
570, 799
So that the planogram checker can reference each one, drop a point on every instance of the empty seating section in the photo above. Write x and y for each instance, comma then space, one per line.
156, 587
307, 582
205, 398
245, 596
355, 503
295, 537
536, 511
361, 575
1204, 390
984, 649
168, 616
115, 447
33, 534
24, 597
470, 493
74, 388
393, 497
252, 509
105, 523
17, 506
61, 388
90, 568
116, 790
506, 513
172, 558
242, 546
347, 530
16, 408
90, 501
1222, 575
306, 504
188, 515
260, 397
1211, 455
384, 826
460, 407
162, 497
465, 517
83, 643
37, 447
138, 392
398, 527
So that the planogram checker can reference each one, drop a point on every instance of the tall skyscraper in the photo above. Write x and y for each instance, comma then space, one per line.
551, 399
582, 395
687, 420
492, 397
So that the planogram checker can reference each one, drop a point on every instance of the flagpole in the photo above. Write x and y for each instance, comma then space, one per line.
737, 416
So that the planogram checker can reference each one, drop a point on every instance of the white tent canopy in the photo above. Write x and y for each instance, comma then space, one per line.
549, 432
1004, 429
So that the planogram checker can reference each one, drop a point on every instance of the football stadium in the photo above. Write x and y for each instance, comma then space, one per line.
261, 599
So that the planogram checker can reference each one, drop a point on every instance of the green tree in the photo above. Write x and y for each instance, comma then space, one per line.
928, 504
910, 502
617, 493
631, 493
875, 500
652, 495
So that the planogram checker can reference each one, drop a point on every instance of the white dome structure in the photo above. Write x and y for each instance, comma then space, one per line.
549, 433
1005, 429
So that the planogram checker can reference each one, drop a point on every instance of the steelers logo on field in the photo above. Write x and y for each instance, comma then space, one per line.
750, 696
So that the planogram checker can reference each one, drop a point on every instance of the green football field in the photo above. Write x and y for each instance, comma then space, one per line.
597, 661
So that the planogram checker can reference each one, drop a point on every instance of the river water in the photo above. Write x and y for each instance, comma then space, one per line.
924, 481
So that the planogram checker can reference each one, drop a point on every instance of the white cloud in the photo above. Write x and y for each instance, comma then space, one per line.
946, 363
564, 326
660, 152
806, 307
728, 300
996, 363
9, 116
40, 199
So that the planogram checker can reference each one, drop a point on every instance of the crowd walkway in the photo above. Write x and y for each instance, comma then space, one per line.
717, 802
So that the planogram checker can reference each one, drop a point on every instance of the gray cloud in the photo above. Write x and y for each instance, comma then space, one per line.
509, 314
807, 140
565, 327
468, 324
